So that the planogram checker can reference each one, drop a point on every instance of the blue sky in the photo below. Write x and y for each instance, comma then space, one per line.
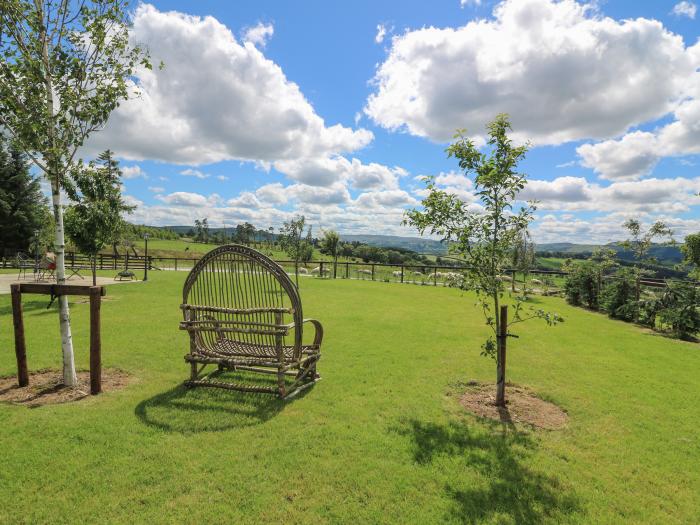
266, 109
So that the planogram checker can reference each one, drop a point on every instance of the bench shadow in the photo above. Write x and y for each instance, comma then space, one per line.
508, 490
193, 410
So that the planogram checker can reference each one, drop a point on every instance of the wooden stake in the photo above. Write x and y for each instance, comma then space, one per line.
95, 342
20, 345
501, 358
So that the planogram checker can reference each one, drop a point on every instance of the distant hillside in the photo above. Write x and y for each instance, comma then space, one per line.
415, 244
667, 255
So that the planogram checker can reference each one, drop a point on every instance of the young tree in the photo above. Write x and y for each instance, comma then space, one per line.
23, 208
691, 251
95, 220
523, 257
640, 242
307, 248
64, 66
205, 230
291, 242
485, 238
330, 245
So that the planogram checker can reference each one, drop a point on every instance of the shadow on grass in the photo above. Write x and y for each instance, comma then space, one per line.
507, 490
29, 306
192, 410
202, 409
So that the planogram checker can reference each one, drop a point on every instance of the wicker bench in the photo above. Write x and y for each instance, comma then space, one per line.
244, 315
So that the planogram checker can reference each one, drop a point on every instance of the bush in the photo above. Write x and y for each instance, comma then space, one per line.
619, 297
679, 310
581, 286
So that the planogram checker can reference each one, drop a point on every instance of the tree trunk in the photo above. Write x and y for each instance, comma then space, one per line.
69, 377
501, 339
53, 162
94, 270
335, 267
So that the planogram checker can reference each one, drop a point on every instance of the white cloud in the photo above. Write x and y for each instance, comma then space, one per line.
189, 172
385, 199
562, 72
463, 3
326, 171
651, 195
184, 198
221, 177
259, 34
632, 157
381, 33
684, 8
133, 172
156, 189
274, 193
216, 99
635, 154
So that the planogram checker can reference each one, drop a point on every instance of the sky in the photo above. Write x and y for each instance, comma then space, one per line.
337, 110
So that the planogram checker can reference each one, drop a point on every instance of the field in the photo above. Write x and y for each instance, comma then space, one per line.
381, 439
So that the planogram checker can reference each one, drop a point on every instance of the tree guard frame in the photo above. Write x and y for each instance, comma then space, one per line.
95, 293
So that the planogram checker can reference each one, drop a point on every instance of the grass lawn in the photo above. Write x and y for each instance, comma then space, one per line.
381, 439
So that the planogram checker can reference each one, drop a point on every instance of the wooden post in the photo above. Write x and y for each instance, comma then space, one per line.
435, 277
402, 273
512, 282
373, 272
95, 342
175, 263
320, 269
20, 345
347, 270
501, 358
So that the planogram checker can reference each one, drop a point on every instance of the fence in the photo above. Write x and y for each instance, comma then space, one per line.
435, 275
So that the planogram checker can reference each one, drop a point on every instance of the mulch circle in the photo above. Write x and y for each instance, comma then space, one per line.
46, 387
522, 406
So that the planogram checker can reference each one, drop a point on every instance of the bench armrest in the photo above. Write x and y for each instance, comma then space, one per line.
318, 335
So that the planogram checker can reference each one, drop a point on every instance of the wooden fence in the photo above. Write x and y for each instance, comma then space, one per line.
416, 274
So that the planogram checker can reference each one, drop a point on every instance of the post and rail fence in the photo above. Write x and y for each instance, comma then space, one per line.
434, 275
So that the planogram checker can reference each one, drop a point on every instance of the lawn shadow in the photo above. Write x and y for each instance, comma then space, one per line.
28, 306
509, 490
191, 410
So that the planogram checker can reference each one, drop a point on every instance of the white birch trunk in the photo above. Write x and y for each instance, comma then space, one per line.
69, 376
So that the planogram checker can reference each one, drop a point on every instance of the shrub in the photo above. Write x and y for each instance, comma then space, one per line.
619, 297
680, 309
581, 286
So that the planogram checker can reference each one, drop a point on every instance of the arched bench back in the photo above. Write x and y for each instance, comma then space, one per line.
249, 288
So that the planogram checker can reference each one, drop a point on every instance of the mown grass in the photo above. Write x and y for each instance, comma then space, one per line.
381, 439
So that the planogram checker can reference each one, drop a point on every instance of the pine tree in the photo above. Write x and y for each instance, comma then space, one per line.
23, 208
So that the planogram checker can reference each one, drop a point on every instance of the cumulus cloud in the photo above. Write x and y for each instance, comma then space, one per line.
216, 99
684, 8
631, 157
562, 71
326, 171
133, 172
635, 154
184, 198
189, 172
675, 195
156, 189
258, 34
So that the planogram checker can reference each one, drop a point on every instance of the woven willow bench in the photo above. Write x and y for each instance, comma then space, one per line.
243, 314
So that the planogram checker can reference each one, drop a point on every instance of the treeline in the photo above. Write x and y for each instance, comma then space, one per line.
605, 283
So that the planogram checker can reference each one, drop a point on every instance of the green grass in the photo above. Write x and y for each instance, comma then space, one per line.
381, 439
